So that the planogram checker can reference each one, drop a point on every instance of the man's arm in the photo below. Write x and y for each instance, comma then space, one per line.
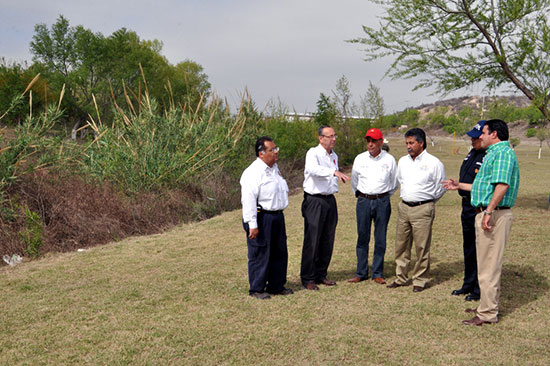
452, 185
498, 195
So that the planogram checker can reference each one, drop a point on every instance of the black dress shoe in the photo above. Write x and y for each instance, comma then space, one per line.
460, 291
472, 297
394, 285
418, 289
284, 291
260, 295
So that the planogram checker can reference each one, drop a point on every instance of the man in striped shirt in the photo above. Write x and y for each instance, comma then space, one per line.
494, 193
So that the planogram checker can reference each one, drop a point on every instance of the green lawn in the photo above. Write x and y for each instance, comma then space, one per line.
180, 298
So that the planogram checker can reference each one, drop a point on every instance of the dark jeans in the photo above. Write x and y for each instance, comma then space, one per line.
367, 211
267, 254
320, 218
467, 217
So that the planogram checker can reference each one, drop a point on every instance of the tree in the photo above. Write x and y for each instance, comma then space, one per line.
454, 44
116, 67
327, 112
372, 104
342, 96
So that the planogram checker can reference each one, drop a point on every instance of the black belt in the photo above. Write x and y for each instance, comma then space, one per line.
482, 208
261, 210
414, 204
372, 196
318, 195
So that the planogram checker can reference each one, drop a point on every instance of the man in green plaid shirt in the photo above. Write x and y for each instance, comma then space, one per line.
494, 192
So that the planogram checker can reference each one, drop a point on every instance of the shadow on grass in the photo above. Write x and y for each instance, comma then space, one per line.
444, 271
342, 276
521, 284
532, 201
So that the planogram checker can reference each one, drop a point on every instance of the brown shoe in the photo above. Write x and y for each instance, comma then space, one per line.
311, 286
327, 282
475, 321
380, 280
394, 285
418, 289
355, 279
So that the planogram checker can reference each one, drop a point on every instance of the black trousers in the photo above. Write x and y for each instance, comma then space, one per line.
320, 218
267, 254
467, 217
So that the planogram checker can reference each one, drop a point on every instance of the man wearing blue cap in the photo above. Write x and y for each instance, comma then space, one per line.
468, 170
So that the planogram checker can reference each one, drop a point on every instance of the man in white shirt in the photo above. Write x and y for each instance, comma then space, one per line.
264, 196
373, 181
420, 175
319, 209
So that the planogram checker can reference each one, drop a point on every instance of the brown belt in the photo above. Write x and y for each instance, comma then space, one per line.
481, 209
372, 196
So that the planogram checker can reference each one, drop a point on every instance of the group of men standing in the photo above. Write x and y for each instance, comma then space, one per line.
486, 216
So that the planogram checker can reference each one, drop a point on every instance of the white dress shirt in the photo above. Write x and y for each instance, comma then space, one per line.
263, 186
421, 178
374, 175
319, 171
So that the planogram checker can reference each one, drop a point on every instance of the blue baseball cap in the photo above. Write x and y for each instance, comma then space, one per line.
476, 130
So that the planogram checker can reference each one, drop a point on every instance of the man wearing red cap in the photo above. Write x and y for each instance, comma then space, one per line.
373, 181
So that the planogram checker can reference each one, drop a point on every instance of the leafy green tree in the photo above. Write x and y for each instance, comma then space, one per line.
14, 79
454, 44
327, 113
120, 68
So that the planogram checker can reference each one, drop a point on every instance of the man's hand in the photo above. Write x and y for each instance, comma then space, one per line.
486, 223
344, 178
253, 233
450, 184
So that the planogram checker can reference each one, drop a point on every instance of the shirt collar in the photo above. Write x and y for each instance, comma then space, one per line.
325, 150
498, 145
419, 157
377, 157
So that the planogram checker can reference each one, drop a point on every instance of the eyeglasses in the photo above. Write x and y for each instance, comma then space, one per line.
274, 150
331, 137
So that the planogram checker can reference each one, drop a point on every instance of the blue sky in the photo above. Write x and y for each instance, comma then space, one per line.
287, 49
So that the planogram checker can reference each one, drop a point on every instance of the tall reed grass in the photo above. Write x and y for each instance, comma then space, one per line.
147, 149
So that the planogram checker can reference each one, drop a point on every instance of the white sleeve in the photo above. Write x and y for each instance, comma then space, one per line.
314, 168
249, 198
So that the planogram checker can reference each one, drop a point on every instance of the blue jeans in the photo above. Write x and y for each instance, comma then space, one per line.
367, 211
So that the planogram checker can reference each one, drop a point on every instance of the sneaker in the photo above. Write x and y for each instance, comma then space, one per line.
260, 295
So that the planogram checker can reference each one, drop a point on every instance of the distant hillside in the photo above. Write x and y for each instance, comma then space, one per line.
474, 102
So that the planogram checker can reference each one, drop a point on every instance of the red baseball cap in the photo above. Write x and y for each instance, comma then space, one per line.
374, 133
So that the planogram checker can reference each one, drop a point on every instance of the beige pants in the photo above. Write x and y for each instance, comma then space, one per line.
490, 251
414, 224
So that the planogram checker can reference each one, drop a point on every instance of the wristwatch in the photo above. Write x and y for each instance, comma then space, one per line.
485, 212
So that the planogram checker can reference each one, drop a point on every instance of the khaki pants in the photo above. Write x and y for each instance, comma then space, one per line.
414, 224
490, 251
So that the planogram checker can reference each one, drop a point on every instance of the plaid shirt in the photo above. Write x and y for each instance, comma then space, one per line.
499, 166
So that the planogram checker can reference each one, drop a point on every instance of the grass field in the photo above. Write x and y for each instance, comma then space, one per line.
180, 298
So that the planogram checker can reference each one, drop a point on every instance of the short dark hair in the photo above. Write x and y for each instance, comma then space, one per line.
320, 131
418, 134
500, 126
260, 144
